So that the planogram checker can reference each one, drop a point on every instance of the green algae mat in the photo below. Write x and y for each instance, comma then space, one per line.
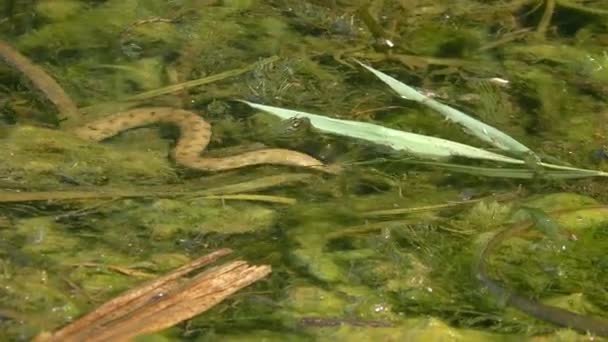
457, 189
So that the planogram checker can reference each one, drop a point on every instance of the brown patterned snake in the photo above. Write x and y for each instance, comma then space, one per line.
195, 136
195, 131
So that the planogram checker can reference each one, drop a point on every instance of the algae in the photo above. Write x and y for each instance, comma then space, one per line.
349, 261
49, 158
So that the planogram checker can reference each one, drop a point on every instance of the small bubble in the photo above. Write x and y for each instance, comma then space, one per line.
379, 308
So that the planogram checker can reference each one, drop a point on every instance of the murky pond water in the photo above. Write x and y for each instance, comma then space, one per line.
117, 119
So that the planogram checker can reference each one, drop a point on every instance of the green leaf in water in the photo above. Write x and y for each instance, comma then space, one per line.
428, 147
415, 144
481, 130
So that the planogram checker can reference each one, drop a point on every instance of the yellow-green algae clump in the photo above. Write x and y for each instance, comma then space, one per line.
46, 157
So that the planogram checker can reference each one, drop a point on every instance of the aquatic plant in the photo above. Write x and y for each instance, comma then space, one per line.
356, 257
428, 147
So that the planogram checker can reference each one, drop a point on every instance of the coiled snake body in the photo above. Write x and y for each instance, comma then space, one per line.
195, 135
195, 131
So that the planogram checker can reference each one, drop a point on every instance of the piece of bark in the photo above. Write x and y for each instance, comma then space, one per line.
161, 303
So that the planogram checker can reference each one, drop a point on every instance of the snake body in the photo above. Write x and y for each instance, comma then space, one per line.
195, 134
195, 131
562, 317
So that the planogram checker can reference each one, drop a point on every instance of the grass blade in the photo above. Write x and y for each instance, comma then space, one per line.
510, 172
415, 144
473, 126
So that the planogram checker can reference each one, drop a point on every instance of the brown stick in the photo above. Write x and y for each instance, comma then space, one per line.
134, 294
41, 80
161, 303
202, 293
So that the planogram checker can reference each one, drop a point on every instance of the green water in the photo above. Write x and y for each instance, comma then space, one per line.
386, 250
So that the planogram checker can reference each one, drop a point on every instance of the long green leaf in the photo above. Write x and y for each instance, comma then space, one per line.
423, 146
481, 130
415, 144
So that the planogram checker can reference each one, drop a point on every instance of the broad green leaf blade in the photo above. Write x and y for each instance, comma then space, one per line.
481, 130
423, 146
415, 144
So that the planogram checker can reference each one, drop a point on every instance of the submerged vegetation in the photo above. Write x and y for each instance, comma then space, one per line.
392, 246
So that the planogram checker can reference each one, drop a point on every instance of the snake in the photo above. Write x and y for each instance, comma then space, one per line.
562, 317
195, 134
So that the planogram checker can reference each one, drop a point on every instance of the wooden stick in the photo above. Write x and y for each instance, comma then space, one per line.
161, 303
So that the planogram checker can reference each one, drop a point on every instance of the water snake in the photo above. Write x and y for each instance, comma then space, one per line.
195, 131
565, 318
194, 138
